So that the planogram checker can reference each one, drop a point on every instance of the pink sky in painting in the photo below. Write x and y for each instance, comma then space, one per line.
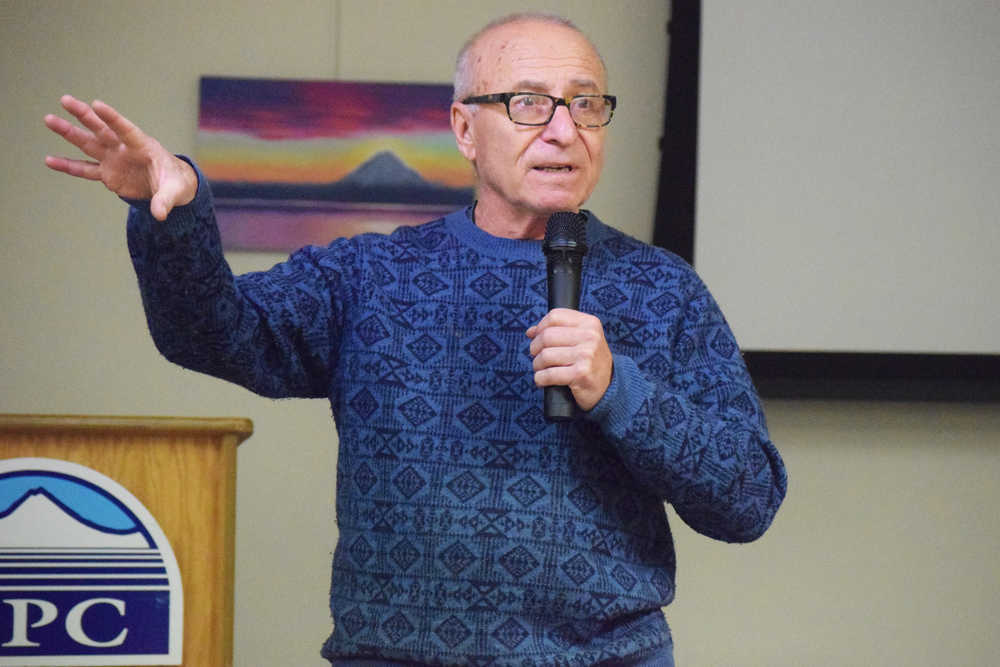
292, 110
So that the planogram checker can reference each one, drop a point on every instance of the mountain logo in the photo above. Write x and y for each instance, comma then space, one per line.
87, 576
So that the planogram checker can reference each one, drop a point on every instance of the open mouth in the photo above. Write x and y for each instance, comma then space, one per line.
555, 169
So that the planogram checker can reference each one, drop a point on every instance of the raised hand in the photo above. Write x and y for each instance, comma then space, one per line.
129, 162
569, 348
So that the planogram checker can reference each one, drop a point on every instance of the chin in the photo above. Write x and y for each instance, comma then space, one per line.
553, 205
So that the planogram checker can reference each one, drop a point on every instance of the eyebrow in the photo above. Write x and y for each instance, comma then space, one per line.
577, 84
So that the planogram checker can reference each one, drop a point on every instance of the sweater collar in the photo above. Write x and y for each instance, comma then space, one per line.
463, 226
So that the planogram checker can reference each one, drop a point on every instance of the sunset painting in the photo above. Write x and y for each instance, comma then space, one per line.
293, 163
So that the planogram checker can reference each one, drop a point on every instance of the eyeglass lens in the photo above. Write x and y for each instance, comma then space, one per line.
538, 109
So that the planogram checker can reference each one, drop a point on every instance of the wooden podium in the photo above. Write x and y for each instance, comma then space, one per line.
184, 472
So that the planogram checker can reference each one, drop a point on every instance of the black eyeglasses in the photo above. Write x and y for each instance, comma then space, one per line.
537, 108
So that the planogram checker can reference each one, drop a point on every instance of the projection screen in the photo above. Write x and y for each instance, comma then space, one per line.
848, 189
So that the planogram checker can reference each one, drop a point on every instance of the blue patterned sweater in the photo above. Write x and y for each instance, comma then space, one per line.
472, 531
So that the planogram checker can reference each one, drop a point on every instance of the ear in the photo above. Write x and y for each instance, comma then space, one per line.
461, 126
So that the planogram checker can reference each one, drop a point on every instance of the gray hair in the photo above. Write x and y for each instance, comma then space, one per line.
464, 69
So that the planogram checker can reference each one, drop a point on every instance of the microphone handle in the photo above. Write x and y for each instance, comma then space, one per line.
564, 269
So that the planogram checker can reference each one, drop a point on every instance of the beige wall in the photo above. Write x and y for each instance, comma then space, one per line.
883, 554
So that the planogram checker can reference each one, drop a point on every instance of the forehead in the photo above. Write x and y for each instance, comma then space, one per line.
546, 54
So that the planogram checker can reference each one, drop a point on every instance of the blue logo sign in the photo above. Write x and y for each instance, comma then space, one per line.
87, 576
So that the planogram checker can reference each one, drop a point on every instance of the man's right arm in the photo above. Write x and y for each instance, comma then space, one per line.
273, 332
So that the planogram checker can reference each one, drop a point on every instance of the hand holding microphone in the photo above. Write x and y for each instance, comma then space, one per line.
572, 360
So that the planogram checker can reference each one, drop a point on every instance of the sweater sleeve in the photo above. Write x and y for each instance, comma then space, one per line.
690, 427
273, 332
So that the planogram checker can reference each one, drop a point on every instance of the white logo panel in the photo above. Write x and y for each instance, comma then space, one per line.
87, 576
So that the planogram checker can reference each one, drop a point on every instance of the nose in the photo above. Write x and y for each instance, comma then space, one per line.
561, 129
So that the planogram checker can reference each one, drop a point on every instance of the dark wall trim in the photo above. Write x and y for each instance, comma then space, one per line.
675, 205
820, 374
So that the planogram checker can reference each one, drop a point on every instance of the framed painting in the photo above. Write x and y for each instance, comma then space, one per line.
296, 162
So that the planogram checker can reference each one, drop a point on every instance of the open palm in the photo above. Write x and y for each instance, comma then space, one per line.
129, 162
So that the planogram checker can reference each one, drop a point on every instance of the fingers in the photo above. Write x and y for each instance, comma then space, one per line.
559, 376
560, 314
562, 327
80, 168
556, 357
74, 106
564, 347
569, 348
94, 143
554, 337
90, 120
82, 139
122, 128
107, 127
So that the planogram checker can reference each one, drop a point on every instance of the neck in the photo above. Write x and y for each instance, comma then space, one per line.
510, 222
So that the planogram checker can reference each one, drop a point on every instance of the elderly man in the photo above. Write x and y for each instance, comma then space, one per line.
472, 530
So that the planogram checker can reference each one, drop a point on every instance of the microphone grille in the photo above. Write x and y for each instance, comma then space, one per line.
566, 230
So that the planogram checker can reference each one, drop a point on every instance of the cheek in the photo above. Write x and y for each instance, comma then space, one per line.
507, 151
595, 146
595, 151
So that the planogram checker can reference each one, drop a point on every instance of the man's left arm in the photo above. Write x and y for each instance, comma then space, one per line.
693, 434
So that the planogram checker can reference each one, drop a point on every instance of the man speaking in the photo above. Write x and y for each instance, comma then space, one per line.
473, 530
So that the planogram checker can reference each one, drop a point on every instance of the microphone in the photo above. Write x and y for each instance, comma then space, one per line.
564, 246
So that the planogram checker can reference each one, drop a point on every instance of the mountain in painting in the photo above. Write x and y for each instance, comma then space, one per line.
383, 178
383, 169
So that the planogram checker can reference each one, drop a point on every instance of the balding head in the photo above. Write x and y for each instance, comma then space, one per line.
467, 73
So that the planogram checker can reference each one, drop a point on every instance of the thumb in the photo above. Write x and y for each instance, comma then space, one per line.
178, 185
160, 206
164, 200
